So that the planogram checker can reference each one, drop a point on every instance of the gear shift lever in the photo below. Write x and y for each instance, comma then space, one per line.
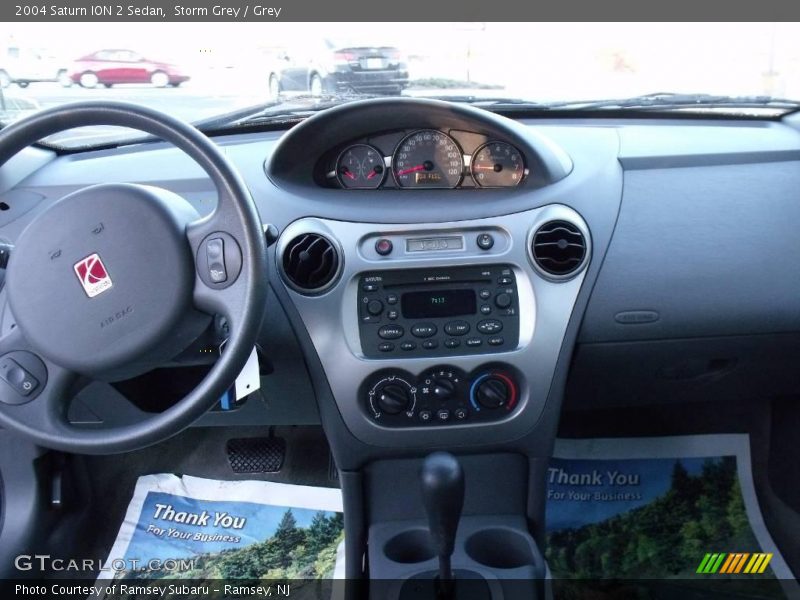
443, 496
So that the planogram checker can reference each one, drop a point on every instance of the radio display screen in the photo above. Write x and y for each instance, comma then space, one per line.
442, 303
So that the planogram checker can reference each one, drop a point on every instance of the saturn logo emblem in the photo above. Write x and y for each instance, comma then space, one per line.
93, 275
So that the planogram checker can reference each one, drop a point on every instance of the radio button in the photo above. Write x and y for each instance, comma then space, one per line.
392, 315
407, 346
386, 347
502, 300
391, 332
505, 280
430, 344
486, 309
375, 307
391, 299
370, 287
496, 340
456, 328
490, 326
485, 241
485, 294
384, 246
452, 343
423, 330
474, 342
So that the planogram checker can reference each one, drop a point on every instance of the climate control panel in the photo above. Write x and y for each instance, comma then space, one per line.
443, 395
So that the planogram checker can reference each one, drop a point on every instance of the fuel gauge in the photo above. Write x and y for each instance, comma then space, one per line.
360, 167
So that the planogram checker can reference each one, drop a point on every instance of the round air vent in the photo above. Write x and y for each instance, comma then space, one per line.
558, 248
310, 262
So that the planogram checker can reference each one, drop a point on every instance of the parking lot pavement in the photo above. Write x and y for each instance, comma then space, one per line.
189, 102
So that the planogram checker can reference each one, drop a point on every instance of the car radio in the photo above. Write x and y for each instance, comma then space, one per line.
438, 311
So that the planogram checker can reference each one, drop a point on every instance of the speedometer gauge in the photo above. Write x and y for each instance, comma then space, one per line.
360, 167
428, 158
497, 164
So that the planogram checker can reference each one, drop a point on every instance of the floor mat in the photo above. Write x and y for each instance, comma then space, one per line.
201, 452
204, 529
665, 515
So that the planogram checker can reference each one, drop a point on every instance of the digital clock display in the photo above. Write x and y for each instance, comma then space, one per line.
442, 303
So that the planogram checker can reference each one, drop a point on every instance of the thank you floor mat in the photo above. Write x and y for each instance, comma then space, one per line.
212, 534
666, 514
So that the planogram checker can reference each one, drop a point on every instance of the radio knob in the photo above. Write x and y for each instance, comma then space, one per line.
393, 398
502, 300
443, 388
492, 392
375, 307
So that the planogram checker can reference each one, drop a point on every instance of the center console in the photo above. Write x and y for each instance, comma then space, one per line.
444, 335
441, 334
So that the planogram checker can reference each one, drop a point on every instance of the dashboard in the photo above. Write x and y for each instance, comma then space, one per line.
415, 314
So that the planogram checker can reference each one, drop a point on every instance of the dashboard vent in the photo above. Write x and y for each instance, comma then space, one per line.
558, 248
310, 262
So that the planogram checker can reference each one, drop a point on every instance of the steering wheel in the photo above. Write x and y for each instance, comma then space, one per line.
114, 279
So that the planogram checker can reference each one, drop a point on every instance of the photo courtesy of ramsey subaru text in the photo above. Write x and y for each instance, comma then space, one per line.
436, 311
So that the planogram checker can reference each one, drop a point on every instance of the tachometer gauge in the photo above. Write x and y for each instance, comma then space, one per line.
428, 158
497, 164
360, 167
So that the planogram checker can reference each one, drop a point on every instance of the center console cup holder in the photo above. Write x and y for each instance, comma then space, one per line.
410, 546
500, 548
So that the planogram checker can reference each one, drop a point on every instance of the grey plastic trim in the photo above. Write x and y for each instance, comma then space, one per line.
382, 567
331, 321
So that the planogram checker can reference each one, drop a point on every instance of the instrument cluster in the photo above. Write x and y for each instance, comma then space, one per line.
426, 158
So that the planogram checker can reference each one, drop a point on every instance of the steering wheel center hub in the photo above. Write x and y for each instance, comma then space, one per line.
100, 279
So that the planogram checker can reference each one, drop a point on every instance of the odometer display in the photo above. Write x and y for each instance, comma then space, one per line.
428, 158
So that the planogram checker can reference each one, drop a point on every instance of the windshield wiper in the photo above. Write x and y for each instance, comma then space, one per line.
668, 100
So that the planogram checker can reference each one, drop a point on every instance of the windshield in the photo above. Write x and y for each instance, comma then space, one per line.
223, 75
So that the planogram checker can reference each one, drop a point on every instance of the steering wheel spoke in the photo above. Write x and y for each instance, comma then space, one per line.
34, 391
218, 260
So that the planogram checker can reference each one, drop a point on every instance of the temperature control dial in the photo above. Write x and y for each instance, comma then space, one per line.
492, 393
493, 390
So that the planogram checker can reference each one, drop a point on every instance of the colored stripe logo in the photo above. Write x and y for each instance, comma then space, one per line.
734, 563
